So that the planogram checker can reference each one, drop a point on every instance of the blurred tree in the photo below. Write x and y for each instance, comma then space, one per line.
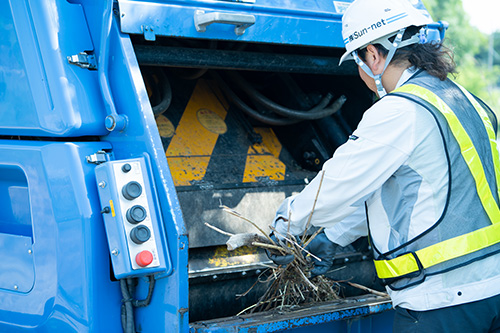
464, 39
472, 50
491, 53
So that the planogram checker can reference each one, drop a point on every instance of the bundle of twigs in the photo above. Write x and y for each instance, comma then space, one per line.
291, 285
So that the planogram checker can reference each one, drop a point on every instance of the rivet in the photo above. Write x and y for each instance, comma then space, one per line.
29, 251
16, 287
102, 184
115, 252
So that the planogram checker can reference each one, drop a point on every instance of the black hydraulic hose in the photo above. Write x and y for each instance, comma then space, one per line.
127, 310
192, 76
248, 110
166, 94
317, 112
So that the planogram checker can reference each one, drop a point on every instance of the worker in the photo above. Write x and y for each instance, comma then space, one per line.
423, 168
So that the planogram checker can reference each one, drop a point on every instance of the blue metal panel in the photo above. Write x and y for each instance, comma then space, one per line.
16, 261
374, 323
169, 304
41, 93
312, 23
347, 316
72, 290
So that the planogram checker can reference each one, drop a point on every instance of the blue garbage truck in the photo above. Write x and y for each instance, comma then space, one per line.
126, 124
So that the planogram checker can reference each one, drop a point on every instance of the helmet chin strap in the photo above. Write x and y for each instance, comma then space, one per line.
378, 78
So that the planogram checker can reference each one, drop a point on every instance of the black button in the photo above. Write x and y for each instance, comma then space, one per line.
126, 168
140, 234
136, 214
132, 190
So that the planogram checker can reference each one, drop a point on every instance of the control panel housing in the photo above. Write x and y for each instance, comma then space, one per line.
131, 217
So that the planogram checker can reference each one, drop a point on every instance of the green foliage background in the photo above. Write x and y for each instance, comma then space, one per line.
476, 71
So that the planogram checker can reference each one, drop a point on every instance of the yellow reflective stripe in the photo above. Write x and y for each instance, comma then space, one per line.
491, 135
468, 150
440, 252
398, 266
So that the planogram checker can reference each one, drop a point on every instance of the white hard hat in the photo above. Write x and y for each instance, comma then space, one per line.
374, 21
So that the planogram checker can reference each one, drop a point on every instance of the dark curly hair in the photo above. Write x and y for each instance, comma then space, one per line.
432, 57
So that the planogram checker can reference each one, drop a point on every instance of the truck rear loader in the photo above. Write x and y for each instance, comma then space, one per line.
125, 125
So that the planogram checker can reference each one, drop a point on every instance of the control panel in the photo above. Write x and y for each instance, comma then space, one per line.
133, 226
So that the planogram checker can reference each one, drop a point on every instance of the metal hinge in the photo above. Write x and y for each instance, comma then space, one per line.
83, 60
100, 157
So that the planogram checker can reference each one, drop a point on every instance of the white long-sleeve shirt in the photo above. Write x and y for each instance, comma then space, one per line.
395, 162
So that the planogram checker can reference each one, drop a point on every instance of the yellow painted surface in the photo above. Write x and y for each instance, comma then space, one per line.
185, 169
262, 158
270, 140
112, 207
211, 121
165, 126
224, 258
189, 151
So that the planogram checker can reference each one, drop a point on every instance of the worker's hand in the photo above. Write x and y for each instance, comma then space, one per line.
325, 250
277, 257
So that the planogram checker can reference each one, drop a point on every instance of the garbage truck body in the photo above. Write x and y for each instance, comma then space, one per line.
125, 125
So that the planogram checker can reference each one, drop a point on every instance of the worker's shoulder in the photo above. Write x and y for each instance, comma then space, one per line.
392, 107
395, 119
395, 103
397, 108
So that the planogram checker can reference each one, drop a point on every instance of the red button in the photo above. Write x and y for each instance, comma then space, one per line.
144, 258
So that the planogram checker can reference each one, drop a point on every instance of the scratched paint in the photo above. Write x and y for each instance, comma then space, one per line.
189, 151
224, 258
263, 158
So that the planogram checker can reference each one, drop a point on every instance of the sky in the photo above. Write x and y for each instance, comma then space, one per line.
484, 14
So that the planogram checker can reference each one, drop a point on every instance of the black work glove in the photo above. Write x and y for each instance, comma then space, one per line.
277, 257
324, 249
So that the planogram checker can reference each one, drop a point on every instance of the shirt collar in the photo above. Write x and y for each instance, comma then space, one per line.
407, 74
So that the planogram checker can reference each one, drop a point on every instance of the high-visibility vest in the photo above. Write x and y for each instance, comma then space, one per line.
468, 229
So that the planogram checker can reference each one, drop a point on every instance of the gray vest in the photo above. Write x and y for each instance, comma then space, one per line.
463, 212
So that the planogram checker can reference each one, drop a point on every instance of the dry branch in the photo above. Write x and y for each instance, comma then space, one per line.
375, 292
289, 285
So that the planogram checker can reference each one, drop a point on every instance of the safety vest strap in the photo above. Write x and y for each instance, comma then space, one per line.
491, 135
467, 243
